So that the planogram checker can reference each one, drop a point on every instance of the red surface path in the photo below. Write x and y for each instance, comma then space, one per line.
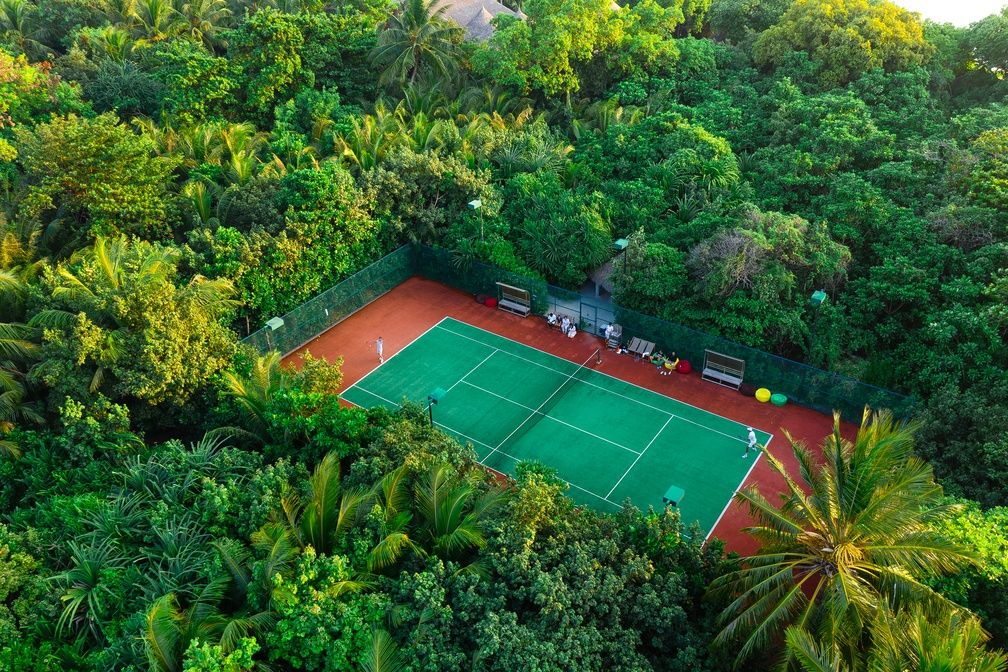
413, 307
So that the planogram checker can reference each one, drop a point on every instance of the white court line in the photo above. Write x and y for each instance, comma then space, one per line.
517, 356
455, 431
573, 485
741, 483
717, 431
523, 422
507, 455
463, 378
433, 326
601, 373
550, 417
653, 439
562, 373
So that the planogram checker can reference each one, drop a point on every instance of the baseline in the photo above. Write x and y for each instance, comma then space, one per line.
425, 332
739, 487
573, 485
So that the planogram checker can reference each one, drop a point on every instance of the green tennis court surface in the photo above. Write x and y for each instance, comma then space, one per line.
608, 438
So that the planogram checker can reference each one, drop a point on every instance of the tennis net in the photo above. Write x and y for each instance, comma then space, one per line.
549, 403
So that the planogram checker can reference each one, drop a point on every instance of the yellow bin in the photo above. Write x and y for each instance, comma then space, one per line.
763, 394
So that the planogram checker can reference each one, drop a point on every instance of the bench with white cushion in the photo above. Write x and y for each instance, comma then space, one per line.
514, 299
723, 369
514, 307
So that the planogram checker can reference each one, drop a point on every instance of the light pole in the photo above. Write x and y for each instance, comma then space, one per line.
477, 204
432, 400
816, 300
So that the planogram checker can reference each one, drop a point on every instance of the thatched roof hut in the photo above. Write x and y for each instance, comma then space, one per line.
474, 16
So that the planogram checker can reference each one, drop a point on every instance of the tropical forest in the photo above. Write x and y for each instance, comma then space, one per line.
175, 173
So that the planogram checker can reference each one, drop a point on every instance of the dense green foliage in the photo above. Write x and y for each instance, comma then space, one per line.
175, 173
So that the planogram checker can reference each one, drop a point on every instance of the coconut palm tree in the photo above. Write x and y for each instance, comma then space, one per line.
953, 642
452, 512
447, 517
254, 391
19, 23
383, 654
850, 536
372, 138
416, 39
168, 628
157, 18
202, 19
318, 521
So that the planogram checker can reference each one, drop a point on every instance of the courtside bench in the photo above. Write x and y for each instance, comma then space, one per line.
514, 300
723, 369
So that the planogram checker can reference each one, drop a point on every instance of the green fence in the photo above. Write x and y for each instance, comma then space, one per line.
803, 384
333, 305
822, 390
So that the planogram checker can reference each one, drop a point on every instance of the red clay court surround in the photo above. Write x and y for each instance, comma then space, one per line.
404, 313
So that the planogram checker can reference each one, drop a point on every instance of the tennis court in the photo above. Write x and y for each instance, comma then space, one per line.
611, 440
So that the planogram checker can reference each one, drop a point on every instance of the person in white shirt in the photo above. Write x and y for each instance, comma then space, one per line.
571, 331
752, 443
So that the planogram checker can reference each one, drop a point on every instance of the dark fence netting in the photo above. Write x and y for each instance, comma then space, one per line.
803, 384
324, 310
822, 390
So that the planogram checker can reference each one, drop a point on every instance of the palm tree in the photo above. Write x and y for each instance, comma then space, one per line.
452, 512
448, 516
415, 38
158, 19
120, 12
14, 409
372, 137
105, 269
85, 596
19, 24
253, 392
852, 535
319, 520
168, 629
202, 19
954, 642
383, 654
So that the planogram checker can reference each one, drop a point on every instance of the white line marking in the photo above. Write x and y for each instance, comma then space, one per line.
601, 373
463, 378
550, 417
573, 485
741, 483
442, 425
642, 403
433, 326
538, 409
634, 464
507, 455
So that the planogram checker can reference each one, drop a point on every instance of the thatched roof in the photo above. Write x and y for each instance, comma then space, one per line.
602, 276
474, 16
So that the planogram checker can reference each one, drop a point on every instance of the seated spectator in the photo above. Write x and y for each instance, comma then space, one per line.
670, 365
565, 324
551, 319
657, 358
571, 331
608, 331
